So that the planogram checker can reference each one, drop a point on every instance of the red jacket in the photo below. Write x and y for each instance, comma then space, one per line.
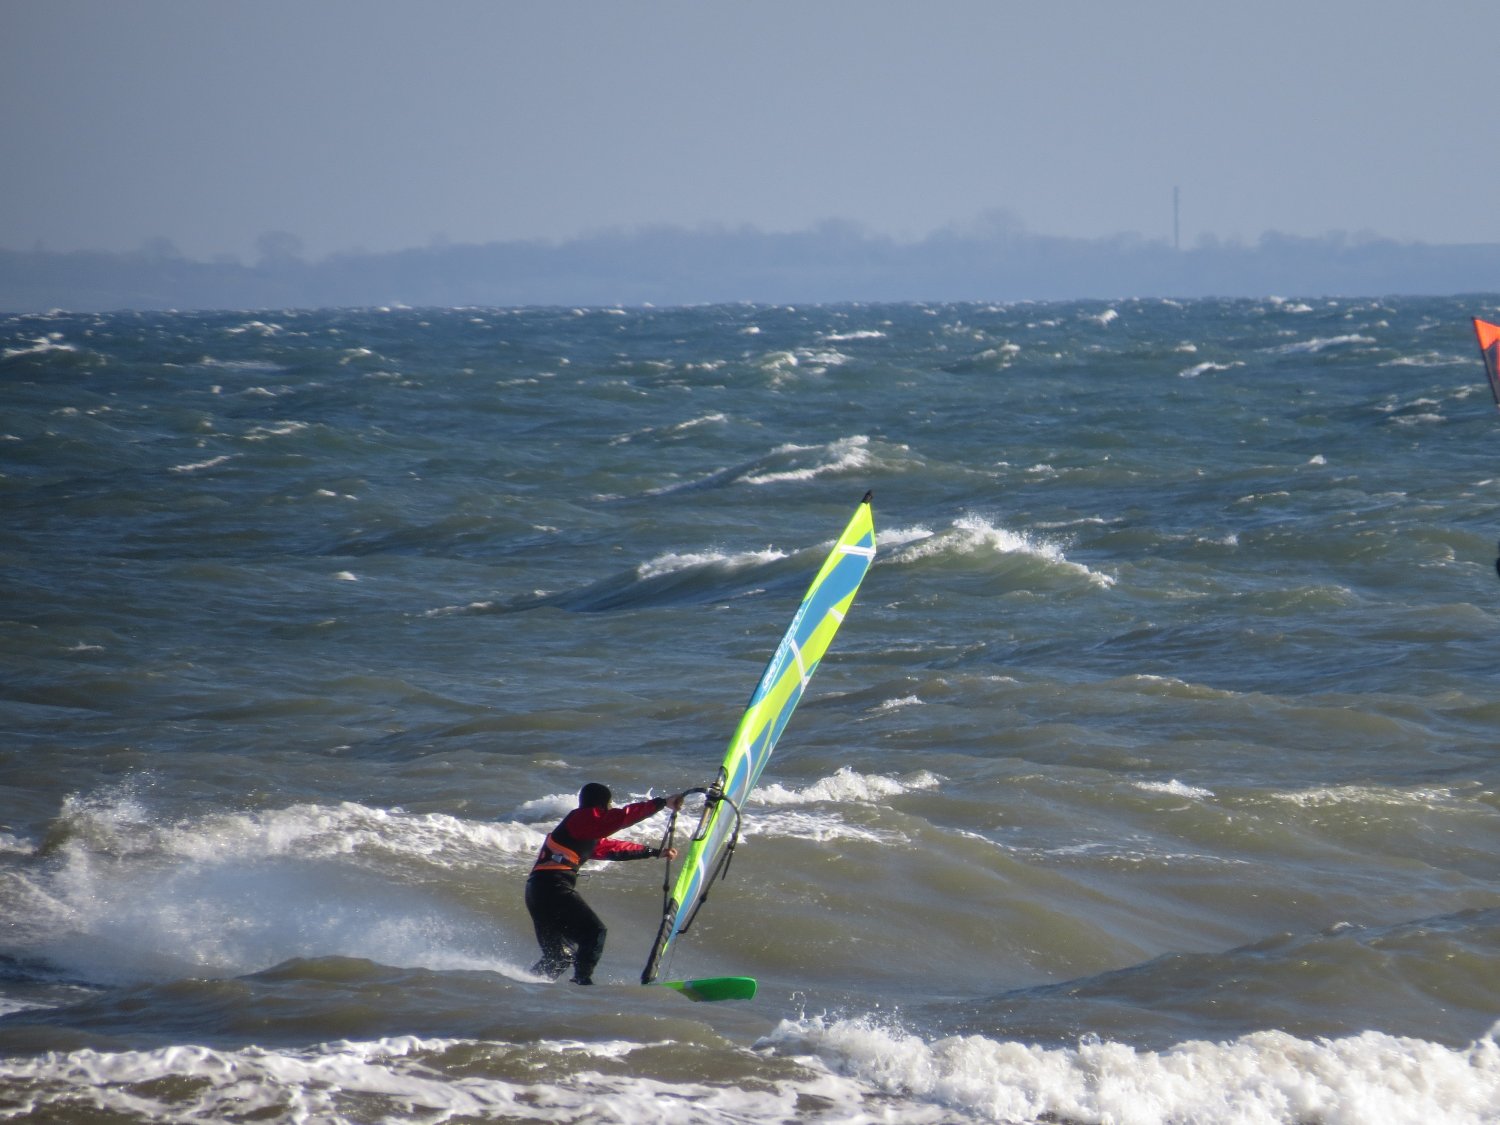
582, 836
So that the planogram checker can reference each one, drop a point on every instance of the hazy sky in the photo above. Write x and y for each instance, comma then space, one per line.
378, 124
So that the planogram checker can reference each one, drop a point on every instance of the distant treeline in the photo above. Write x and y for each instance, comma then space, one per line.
834, 262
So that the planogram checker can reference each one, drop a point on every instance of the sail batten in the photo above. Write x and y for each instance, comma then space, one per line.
777, 692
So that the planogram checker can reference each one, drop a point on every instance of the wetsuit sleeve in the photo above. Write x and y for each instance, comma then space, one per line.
595, 824
624, 849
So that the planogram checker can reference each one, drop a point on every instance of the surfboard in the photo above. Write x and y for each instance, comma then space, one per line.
714, 988
782, 682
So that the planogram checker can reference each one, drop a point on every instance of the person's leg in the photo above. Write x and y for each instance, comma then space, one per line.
548, 917
583, 928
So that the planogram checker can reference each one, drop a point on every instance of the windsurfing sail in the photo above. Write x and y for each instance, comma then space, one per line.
1489, 347
781, 685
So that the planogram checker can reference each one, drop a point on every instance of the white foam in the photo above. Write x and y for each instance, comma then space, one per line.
1176, 789
845, 787
197, 466
1205, 368
52, 342
842, 456
817, 826
278, 429
861, 334
1336, 795
673, 561
550, 808
891, 538
823, 359
975, 535
414, 1080
1319, 344
127, 897
1266, 1078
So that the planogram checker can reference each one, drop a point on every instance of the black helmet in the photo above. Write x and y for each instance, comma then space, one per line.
594, 796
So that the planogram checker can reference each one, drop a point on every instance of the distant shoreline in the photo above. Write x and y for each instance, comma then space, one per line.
832, 263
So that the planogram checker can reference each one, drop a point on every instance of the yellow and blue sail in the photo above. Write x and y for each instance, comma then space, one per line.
781, 685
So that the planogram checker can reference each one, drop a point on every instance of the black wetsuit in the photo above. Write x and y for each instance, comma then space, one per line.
567, 928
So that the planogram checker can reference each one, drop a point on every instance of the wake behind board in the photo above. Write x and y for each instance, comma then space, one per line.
714, 988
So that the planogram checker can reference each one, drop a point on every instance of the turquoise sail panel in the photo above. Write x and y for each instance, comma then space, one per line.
775, 697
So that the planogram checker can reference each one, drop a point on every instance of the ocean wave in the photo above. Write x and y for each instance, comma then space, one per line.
1206, 368
672, 578
845, 787
199, 466
1321, 344
563, 1080
674, 562
974, 537
818, 1070
1423, 798
1264, 1078
819, 827
793, 463
1175, 788
677, 429
119, 825
41, 345
808, 462
119, 896
276, 429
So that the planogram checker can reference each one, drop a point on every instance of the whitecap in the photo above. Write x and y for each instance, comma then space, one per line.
277, 429
1205, 368
41, 345
819, 827
1319, 344
142, 898
1264, 1078
197, 466
974, 535
846, 786
673, 561
842, 456
1175, 788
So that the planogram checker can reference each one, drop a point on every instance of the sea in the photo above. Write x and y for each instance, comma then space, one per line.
1153, 777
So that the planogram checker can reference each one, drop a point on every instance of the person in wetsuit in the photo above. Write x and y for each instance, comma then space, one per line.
567, 929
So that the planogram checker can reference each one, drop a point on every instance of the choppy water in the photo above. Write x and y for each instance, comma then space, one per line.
1153, 777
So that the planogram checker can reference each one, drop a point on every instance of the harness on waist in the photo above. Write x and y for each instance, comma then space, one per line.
557, 856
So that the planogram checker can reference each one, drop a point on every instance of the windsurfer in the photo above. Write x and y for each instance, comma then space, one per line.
567, 929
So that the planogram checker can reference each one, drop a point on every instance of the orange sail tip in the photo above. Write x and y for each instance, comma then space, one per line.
1488, 336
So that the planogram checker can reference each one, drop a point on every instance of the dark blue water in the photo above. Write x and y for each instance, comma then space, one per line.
1152, 778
